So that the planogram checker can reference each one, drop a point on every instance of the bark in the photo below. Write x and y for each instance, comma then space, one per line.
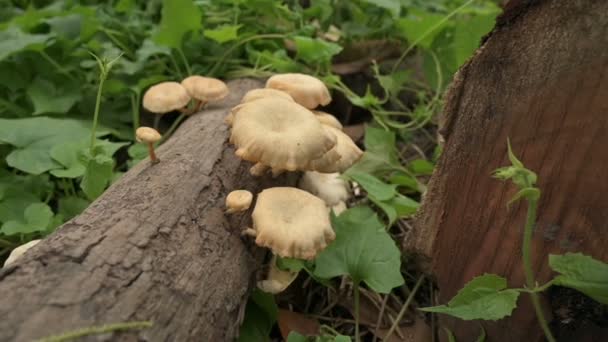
540, 78
155, 246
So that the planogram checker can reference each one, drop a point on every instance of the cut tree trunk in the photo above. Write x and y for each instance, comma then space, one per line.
541, 79
156, 246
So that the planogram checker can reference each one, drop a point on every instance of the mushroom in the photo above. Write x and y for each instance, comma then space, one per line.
291, 222
238, 200
204, 89
148, 136
306, 90
19, 251
345, 147
277, 280
166, 97
327, 186
279, 134
256, 94
327, 119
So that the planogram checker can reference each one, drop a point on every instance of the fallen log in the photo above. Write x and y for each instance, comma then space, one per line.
156, 246
539, 79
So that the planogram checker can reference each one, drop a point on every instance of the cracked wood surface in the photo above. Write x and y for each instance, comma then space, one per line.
155, 246
541, 79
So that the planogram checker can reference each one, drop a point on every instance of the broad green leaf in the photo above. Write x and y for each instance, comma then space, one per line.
178, 18
53, 98
97, 175
315, 50
223, 34
418, 23
397, 207
36, 218
381, 143
362, 250
148, 49
67, 154
260, 315
71, 206
403, 179
13, 40
468, 34
374, 186
33, 144
582, 273
485, 297
294, 336
393, 6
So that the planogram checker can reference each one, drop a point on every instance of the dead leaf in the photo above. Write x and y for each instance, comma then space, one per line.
292, 321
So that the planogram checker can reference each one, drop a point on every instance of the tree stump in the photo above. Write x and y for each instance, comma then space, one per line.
155, 246
541, 79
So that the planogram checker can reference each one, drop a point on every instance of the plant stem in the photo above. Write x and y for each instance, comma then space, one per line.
97, 330
174, 125
356, 290
135, 110
185, 61
404, 308
102, 79
527, 259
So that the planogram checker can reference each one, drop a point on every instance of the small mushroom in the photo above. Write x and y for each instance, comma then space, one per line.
19, 251
327, 119
327, 186
204, 89
291, 222
277, 280
238, 200
279, 134
306, 90
166, 97
148, 136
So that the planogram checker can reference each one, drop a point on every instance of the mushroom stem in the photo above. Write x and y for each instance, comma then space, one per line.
199, 105
258, 169
249, 232
153, 158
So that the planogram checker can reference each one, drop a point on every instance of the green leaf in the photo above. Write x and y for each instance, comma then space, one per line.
36, 218
374, 186
314, 50
33, 144
13, 40
419, 22
260, 315
403, 179
291, 264
449, 334
294, 336
393, 6
381, 143
485, 297
178, 18
397, 207
468, 34
362, 250
421, 167
223, 34
97, 176
71, 206
516, 162
582, 273
67, 154
49, 97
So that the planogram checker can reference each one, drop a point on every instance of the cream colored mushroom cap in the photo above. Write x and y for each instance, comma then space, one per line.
327, 119
19, 251
306, 90
291, 222
278, 133
147, 135
205, 88
165, 97
238, 200
256, 94
347, 149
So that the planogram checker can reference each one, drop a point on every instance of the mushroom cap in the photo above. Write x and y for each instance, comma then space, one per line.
327, 186
19, 251
347, 149
291, 222
147, 135
256, 94
205, 88
238, 200
306, 90
327, 119
279, 134
165, 97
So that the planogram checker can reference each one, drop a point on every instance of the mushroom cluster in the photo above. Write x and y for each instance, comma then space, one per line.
277, 129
